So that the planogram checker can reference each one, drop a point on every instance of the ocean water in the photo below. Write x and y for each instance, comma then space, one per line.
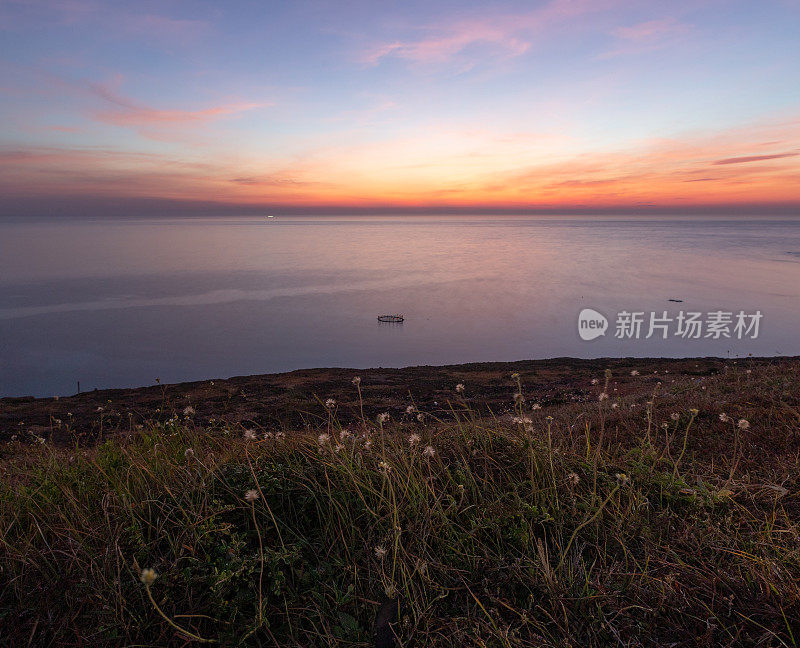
120, 302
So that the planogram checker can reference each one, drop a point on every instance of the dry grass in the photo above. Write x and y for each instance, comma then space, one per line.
640, 521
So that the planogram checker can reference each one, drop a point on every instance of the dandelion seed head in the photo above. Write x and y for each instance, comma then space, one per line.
330, 403
323, 438
383, 418
410, 409
420, 417
188, 411
250, 435
428, 452
602, 396
148, 576
251, 495
595, 381
380, 552
674, 416
743, 424
413, 440
724, 418
573, 479
460, 388
634, 373
357, 380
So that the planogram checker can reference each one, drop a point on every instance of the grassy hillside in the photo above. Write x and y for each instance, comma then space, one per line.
663, 515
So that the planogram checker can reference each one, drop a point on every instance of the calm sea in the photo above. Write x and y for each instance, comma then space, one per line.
114, 303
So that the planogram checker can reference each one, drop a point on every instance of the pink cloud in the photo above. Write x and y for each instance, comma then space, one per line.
509, 35
127, 112
646, 36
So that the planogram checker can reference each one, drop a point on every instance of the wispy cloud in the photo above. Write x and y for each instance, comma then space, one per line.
646, 36
755, 158
508, 35
159, 123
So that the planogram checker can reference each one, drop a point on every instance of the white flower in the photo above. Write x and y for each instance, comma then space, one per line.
573, 479
382, 418
251, 495
536, 406
595, 381
188, 453
602, 396
724, 418
410, 409
634, 373
380, 552
357, 380
614, 405
188, 410
460, 388
323, 438
250, 435
330, 403
428, 452
345, 434
743, 424
279, 436
267, 436
148, 576
413, 440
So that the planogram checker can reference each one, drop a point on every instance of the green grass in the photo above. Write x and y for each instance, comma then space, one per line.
590, 525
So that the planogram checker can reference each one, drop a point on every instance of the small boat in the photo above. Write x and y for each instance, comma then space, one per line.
390, 318
270, 216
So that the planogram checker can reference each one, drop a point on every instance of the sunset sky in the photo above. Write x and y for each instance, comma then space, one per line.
314, 106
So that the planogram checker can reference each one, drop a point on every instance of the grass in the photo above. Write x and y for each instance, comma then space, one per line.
641, 521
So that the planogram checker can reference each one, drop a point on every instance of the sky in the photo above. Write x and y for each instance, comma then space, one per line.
239, 106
